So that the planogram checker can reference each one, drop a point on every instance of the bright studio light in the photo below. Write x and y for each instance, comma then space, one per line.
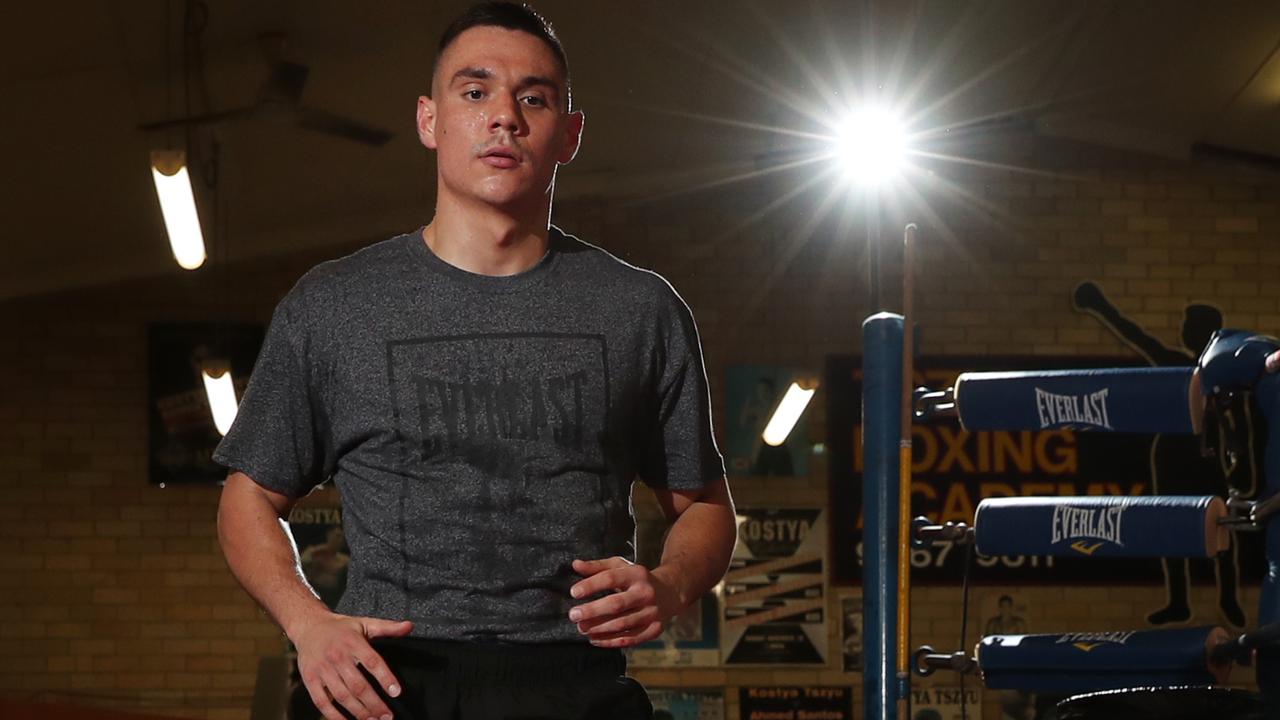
785, 417
178, 205
222, 397
870, 146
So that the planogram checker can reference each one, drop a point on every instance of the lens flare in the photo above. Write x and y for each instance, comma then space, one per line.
870, 146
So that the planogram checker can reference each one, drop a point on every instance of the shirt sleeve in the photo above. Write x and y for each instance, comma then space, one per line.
682, 454
275, 439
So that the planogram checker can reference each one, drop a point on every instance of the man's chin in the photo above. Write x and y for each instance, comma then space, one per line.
507, 194
507, 198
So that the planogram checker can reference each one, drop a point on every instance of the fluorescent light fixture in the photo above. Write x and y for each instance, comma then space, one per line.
178, 205
222, 394
788, 412
870, 146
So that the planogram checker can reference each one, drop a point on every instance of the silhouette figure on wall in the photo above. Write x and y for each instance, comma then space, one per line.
1187, 464
766, 459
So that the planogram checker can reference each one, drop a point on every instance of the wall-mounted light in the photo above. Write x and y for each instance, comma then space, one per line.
220, 389
178, 205
787, 414
870, 146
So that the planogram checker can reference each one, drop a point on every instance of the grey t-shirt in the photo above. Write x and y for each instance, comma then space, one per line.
482, 431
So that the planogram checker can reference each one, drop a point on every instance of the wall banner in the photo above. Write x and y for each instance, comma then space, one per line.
954, 470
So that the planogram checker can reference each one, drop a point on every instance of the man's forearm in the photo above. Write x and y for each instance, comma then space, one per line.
699, 545
262, 556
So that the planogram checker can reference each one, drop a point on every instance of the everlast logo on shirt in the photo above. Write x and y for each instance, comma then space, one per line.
1082, 524
1056, 410
548, 408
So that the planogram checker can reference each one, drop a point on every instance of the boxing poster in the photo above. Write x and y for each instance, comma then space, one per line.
947, 702
322, 549
1003, 613
752, 393
686, 704
1006, 613
953, 470
181, 431
775, 604
692, 638
851, 633
796, 703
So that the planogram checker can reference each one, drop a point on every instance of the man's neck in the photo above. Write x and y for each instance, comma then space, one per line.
486, 240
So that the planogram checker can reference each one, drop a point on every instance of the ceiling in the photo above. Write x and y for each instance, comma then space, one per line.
677, 94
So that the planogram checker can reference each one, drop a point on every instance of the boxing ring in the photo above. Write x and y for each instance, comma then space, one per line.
1122, 400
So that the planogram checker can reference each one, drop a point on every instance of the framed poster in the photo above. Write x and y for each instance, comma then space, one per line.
775, 604
686, 704
181, 431
796, 703
322, 549
851, 633
753, 393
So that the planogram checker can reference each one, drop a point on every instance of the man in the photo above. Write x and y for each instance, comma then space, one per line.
482, 393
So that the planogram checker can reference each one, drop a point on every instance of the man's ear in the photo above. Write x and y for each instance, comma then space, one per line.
426, 122
573, 136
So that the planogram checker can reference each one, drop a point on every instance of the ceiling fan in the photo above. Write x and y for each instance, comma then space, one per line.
279, 100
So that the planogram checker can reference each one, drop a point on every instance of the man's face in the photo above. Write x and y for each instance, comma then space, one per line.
497, 121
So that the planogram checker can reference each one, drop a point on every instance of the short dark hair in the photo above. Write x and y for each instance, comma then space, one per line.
512, 16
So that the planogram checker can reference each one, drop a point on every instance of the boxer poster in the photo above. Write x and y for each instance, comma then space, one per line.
322, 549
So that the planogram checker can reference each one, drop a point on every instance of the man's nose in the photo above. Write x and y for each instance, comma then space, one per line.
507, 116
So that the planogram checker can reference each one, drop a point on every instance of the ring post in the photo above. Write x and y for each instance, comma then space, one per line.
881, 426
904, 475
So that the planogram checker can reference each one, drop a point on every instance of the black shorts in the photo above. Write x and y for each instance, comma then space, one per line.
443, 680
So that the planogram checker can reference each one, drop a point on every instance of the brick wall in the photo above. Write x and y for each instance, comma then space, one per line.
114, 592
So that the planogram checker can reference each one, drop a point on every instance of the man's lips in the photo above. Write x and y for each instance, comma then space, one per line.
500, 157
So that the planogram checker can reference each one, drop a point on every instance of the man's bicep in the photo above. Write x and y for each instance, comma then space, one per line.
241, 488
675, 502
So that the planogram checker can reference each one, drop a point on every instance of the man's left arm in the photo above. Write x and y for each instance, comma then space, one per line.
694, 558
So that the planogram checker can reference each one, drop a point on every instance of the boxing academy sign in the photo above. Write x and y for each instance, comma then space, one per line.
954, 470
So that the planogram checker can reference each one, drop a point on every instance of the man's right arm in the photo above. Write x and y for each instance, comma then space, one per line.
330, 646
261, 554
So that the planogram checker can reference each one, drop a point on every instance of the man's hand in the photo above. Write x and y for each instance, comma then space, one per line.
331, 652
642, 603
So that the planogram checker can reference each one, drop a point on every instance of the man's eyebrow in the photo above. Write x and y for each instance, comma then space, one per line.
532, 80
528, 81
474, 73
